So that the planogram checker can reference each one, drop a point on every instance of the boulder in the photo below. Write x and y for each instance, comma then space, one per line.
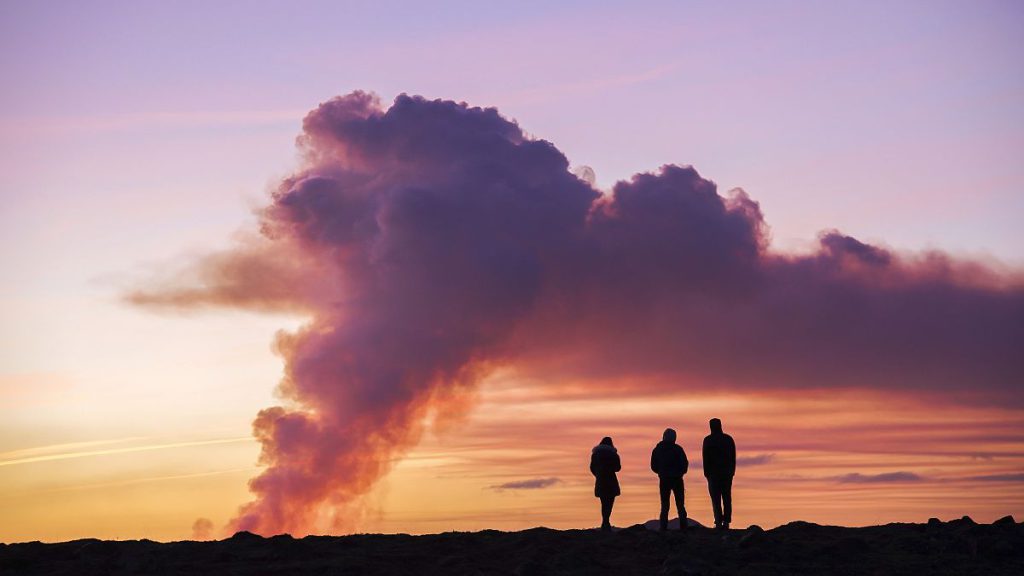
752, 536
245, 536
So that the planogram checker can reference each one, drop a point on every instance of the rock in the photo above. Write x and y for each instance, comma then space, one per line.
753, 536
680, 571
634, 529
245, 536
964, 522
673, 524
848, 547
678, 565
934, 522
531, 568
972, 547
1002, 548
1005, 521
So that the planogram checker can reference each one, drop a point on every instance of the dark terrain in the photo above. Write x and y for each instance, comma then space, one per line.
956, 547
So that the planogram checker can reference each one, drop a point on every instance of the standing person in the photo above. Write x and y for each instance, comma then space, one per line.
668, 461
719, 453
604, 463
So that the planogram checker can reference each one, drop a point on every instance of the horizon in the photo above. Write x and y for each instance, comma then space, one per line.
686, 214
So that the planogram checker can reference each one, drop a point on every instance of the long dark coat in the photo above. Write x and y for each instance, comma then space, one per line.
604, 463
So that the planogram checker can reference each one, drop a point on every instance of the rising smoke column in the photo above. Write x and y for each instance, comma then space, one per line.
431, 242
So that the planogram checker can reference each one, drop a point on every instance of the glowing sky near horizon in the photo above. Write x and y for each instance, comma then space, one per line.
132, 134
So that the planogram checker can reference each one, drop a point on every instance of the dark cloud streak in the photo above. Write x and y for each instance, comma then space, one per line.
532, 484
885, 478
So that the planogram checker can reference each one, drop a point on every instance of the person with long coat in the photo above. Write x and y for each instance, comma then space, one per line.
604, 463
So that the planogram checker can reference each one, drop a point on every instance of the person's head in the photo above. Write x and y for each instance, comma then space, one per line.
716, 425
669, 435
607, 441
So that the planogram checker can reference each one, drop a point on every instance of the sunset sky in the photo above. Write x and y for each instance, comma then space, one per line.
146, 324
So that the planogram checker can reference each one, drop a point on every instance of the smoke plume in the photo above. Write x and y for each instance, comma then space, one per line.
431, 242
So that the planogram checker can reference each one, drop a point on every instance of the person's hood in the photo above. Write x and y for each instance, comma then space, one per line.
601, 447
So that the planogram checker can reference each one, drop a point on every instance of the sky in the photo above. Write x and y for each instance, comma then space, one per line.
136, 138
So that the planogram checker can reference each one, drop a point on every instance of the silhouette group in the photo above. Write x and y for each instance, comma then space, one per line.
668, 461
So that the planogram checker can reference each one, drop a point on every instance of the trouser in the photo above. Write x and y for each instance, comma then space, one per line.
673, 486
721, 499
606, 510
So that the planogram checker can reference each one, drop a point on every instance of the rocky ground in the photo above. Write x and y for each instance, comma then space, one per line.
956, 547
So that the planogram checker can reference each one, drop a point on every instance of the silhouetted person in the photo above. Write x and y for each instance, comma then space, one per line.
719, 454
604, 463
668, 461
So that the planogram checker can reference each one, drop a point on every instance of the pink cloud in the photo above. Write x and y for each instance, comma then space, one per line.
431, 243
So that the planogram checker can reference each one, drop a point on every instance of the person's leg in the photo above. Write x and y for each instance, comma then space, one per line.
727, 501
677, 488
715, 489
664, 487
606, 512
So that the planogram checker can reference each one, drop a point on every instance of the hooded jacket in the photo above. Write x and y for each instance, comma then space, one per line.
668, 459
719, 452
604, 463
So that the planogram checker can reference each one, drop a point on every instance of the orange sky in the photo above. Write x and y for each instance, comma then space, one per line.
799, 460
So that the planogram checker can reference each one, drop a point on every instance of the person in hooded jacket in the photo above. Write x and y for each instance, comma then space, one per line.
719, 452
668, 461
604, 463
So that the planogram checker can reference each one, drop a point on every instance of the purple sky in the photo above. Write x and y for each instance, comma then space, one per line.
823, 113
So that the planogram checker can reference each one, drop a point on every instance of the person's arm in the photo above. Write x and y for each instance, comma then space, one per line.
618, 464
686, 463
705, 455
654, 460
731, 456
593, 464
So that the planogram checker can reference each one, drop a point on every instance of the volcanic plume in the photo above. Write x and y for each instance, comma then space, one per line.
431, 242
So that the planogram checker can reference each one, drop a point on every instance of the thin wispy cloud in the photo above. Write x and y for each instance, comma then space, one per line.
888, 477
532, 484
108, 451
63, 448
154, 120
544, 94
148, 479
757, 460
1017, 477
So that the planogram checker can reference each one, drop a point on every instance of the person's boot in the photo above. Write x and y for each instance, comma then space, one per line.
664, 526
606, 527
683, 525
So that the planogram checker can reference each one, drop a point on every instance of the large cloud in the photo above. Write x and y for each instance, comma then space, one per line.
431, 243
